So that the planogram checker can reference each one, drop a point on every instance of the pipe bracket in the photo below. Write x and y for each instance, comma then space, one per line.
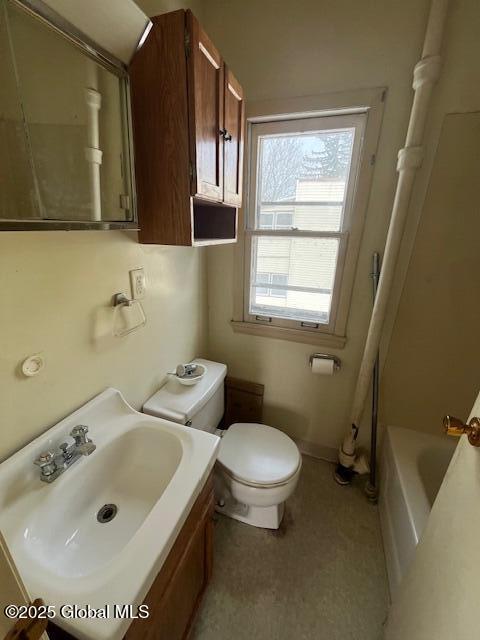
93, 99
409, 158
93, 156
427, 71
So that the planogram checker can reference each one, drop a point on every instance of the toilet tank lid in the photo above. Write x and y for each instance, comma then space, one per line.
180, 403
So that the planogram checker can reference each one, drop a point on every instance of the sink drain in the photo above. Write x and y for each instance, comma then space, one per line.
107, 513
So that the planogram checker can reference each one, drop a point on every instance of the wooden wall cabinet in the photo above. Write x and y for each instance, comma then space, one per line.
188, 124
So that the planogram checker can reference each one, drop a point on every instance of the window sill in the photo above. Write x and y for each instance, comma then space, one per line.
294, 335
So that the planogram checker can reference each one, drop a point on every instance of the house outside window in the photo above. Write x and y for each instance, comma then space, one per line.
278, 291
275, 219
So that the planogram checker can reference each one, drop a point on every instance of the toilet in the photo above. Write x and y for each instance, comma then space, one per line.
258, 466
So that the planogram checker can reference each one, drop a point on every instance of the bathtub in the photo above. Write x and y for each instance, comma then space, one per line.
413, 465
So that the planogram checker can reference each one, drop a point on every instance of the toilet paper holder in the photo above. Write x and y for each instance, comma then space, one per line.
337, 363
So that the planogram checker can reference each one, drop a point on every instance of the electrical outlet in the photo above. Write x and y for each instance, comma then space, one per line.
138, 284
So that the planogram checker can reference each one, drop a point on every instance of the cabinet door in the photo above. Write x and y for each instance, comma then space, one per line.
234, 112
205, 86
177, 591
174, 612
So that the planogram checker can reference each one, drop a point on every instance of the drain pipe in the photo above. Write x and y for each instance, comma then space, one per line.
371, 488
93, 153
425, 75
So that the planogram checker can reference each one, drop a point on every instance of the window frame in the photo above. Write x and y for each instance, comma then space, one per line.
357, 122
363, 101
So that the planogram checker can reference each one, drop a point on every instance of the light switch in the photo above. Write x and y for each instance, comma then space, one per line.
138, 283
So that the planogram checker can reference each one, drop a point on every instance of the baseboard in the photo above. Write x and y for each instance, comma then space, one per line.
314, 450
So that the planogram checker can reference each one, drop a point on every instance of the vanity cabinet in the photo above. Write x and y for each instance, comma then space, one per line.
188, 125
176, 593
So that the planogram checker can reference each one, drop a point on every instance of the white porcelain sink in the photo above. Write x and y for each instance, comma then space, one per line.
151, 469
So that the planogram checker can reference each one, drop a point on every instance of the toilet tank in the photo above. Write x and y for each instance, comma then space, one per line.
200, 406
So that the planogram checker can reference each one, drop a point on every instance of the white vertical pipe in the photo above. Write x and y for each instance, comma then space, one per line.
425, 76
93, 153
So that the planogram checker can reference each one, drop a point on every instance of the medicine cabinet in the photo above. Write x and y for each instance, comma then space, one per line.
65, 158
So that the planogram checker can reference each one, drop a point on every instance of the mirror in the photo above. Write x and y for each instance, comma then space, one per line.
65, 157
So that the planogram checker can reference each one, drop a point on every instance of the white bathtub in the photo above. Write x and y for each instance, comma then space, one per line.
413, 465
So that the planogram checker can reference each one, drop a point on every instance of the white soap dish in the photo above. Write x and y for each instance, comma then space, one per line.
190, 378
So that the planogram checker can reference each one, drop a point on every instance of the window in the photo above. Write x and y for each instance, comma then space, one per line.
302, 183
309, 169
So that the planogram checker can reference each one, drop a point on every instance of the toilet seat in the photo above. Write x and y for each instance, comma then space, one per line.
257, 455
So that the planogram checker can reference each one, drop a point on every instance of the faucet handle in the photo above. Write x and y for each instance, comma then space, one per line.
79, 433
45, 458
47, 464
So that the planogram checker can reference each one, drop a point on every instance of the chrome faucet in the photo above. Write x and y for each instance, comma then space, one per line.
53, 465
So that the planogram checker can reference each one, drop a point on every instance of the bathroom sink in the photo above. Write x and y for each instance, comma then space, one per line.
101, 531
129, 474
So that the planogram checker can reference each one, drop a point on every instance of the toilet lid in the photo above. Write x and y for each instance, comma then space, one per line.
257, 454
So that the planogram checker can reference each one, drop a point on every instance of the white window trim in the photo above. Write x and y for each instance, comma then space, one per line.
371, 102
356, 121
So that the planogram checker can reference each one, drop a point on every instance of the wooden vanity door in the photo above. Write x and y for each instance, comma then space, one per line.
205, 88
234, 114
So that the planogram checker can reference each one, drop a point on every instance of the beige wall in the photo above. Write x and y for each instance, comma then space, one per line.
58, 285
288, 49
281, 49
56, 294
155, 7
432, 363
430, 367
311, 48
56, 289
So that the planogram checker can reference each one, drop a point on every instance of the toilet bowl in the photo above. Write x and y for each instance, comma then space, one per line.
256, 472
258, 466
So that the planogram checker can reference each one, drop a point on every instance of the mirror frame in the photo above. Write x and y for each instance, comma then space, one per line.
52, 19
